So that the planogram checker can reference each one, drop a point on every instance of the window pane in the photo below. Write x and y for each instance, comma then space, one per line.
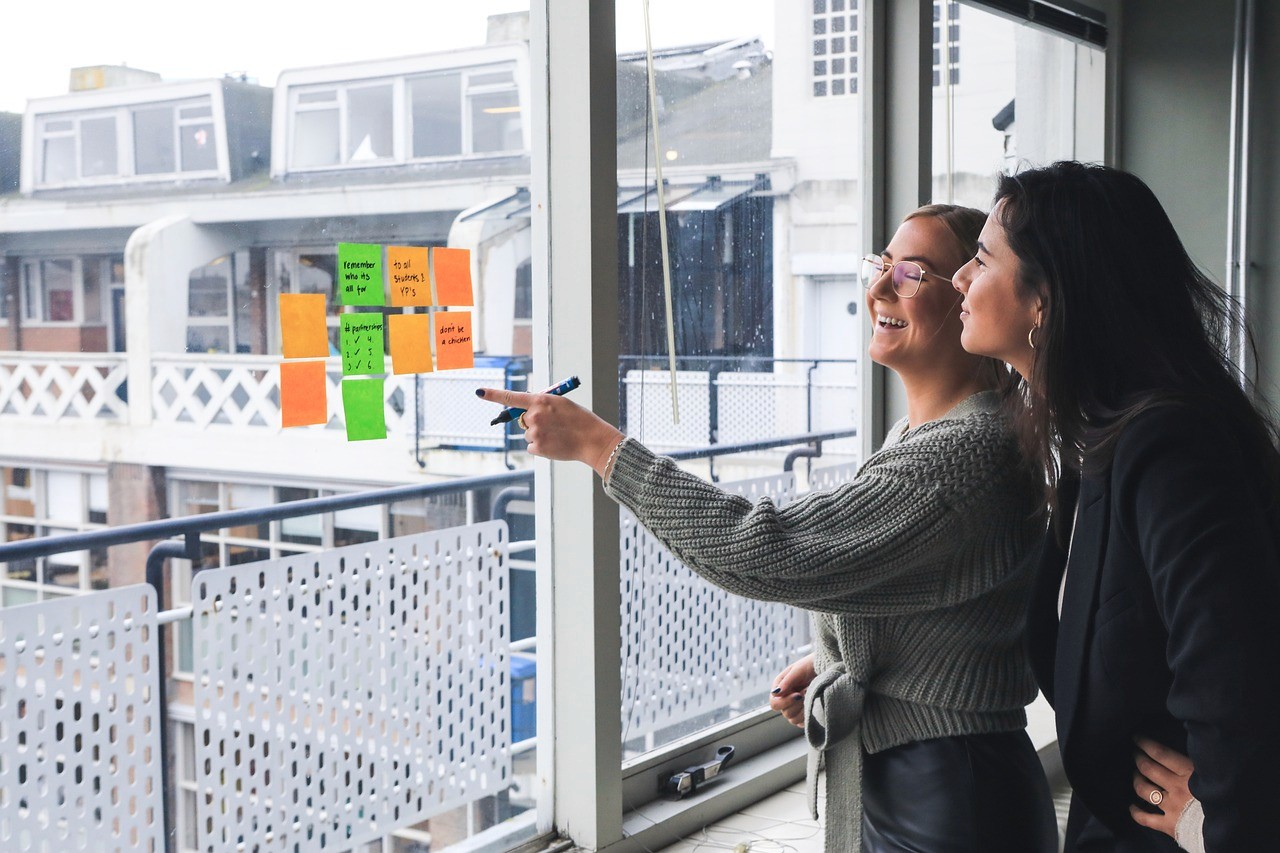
59, 160
436, 103
98, 147
199, 153
369, 124
315, 138
64, 493
739, 225
58, 291
153, 141
1000, 70
495, 122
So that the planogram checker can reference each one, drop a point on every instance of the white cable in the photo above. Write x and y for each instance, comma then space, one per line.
662, 216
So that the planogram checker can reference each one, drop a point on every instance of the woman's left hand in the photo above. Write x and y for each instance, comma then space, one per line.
1167, 771
558, 428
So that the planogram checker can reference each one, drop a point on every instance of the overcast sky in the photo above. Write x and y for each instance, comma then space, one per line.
260, 37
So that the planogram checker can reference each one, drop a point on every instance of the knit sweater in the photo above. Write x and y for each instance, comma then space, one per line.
914, 571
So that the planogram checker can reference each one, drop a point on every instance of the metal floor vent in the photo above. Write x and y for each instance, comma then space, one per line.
80, 756
343, 694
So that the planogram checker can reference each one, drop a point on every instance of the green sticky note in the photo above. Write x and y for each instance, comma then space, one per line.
362, 409
363, 350
360, 274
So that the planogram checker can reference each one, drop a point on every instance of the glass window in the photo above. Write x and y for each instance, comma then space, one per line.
59, 159
436, 107
58, 281
98, 147
153, 140
315, 138
369, 124
495, 122
1017, 97
39, 502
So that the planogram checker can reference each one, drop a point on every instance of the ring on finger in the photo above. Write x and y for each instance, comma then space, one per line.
520, 421
1156, 797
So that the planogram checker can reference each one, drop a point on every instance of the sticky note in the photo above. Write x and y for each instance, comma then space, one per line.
360, 274
453, 340
452, 269
302, 393
363, 350
302, 328
407, 273
410, 343
362, 409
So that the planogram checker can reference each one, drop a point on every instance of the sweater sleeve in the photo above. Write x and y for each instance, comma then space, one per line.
871, 547
1190, 499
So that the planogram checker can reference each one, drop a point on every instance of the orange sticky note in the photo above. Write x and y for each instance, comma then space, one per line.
410, 343
453, 340
452, 269
407, 275
302, 328
302, 393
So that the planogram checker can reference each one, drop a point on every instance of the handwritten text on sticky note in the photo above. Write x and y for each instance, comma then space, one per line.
453, 340
360, 274
407, 272
452, 269
362, 344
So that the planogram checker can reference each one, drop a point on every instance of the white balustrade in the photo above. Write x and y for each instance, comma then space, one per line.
63, 386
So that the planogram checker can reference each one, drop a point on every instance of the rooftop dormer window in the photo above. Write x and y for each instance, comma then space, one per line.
169, 140
448, 113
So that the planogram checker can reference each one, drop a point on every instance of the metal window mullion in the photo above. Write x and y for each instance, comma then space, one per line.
574, 170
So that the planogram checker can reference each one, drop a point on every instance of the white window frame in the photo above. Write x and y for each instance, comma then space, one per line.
119, 104
43, 525
31, 292
398, 73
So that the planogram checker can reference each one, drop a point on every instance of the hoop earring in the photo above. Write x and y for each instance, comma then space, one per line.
1031, 340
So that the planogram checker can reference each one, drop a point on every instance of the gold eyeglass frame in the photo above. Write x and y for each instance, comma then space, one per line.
875, 259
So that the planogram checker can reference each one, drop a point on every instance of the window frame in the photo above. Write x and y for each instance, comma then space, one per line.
121, 104
399, 73
32, 294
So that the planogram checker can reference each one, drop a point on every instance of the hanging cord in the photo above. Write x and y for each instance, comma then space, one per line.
662, 216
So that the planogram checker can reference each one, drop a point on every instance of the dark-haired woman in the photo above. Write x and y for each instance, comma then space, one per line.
1155, 609
916, 571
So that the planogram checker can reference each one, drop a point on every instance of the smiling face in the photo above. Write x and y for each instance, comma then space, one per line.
922, 332
997, 311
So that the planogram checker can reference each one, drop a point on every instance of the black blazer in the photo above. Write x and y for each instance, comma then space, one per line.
1170, 626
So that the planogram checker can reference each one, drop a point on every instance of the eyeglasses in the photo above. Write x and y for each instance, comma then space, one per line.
906, 276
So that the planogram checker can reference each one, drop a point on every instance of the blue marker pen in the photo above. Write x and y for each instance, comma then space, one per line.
560, 390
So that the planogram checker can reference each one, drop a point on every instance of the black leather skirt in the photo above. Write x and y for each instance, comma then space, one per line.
965, 794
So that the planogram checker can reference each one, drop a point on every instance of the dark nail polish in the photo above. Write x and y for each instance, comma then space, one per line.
776, 691
796, 697
479, 392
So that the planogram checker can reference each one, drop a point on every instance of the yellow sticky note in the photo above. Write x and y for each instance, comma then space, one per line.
453, 340
302, 327
410, 343
452, 270
407, 272
303, 395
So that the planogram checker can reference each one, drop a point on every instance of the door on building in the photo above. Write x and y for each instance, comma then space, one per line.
117, 320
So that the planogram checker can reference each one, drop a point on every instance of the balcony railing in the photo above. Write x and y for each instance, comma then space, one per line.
63, 386
336, 696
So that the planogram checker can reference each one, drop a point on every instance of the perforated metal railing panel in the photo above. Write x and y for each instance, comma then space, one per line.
690, 648
343, 694
79, 735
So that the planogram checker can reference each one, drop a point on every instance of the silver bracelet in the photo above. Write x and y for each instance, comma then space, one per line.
608, 463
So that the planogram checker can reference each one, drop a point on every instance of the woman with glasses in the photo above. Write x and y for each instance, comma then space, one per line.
1153, 623
915, 571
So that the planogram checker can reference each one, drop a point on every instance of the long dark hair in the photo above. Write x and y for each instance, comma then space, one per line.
1129, 321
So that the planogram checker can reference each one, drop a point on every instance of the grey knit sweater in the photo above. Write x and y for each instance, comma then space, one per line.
915, 572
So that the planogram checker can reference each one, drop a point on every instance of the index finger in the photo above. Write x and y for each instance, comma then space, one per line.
517, 399
1170, 758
